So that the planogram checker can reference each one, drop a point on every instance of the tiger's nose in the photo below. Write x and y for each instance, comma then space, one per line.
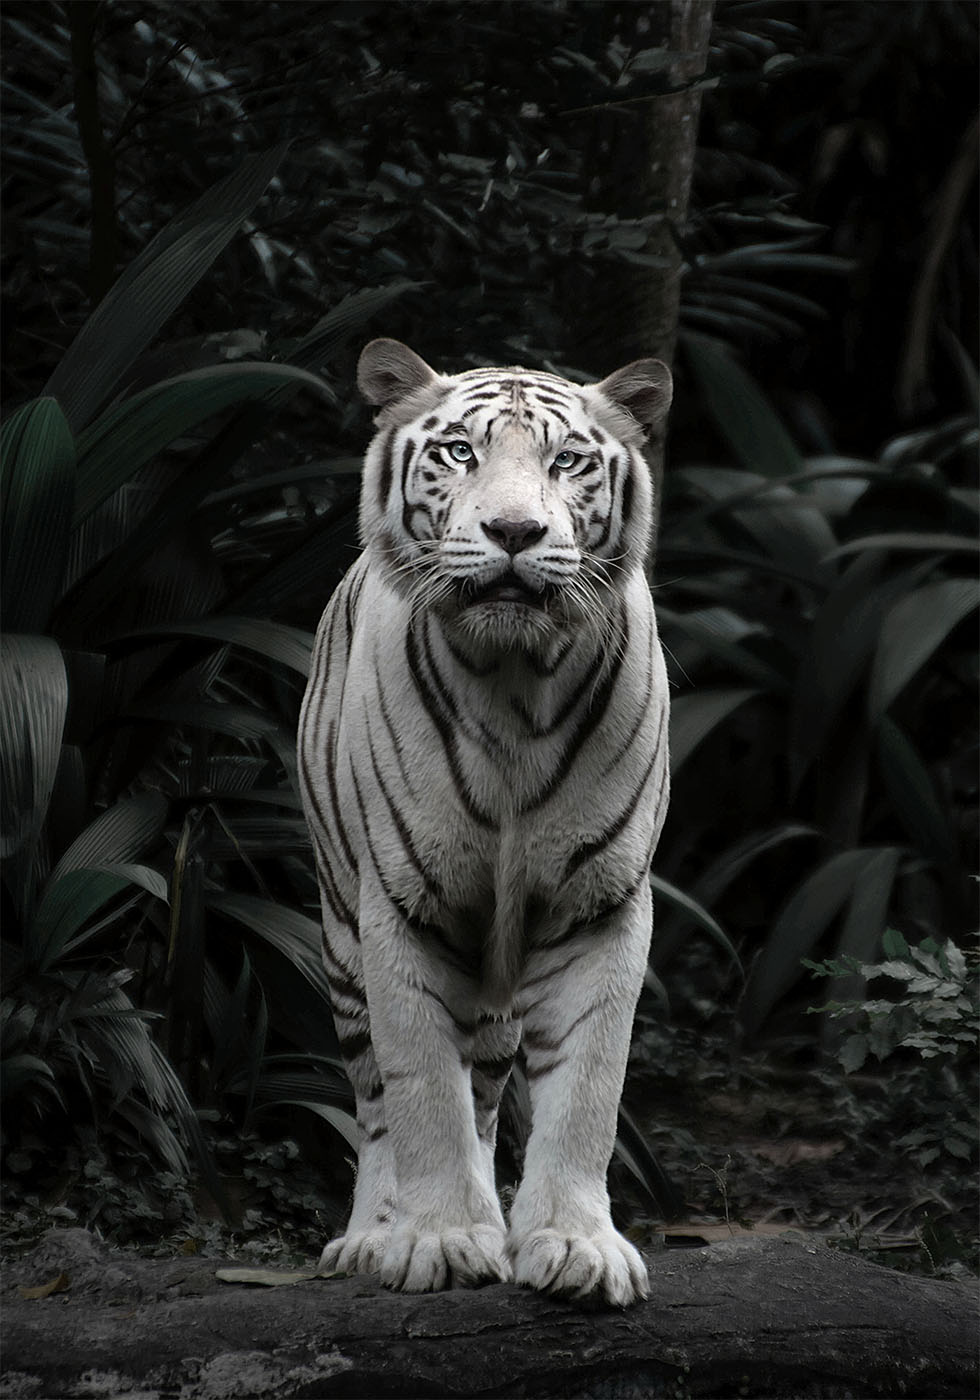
514, 535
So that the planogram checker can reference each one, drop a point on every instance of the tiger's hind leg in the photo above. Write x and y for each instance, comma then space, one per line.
360, 1249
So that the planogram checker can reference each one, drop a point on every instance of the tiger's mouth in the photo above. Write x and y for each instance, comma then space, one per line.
507, 589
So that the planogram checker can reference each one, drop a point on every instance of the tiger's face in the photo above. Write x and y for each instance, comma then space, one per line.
511, 502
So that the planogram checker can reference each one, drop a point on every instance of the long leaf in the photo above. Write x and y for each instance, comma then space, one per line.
125, 437
844, 635
119, 834
348, 317
69, 902
914, 629
693, 717
37, 483
276, 641
742, 414
864, 926
33, 707
711, 886
336, 1117
636, 1154
152, 287
802, 923
292, 934
913, 794
910, 540
785, 523
697, 914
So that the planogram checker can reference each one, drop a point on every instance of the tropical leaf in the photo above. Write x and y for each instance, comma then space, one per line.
293, 935
152, 287
125, 437
636, 1154
742, 414
864, 927
913, 794
913, 541
803, 922
693, 717
913, 630
275, 641
33, 707
71, 900
786, 524
713, 883
119, 834
37, 482
696, 913
843, 639
336, 1117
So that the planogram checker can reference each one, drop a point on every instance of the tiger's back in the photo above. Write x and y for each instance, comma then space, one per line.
484, 760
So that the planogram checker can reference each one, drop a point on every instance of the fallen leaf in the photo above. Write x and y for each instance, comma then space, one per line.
60, 1284
717, 1234
269, 1278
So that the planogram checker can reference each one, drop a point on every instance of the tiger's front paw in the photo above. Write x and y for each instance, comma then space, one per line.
357, 1252
425, 1261
602, 1266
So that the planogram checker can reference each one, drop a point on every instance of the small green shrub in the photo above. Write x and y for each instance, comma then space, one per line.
932, 1017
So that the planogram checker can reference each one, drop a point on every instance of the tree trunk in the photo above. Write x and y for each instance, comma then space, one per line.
763, 1317
643, 156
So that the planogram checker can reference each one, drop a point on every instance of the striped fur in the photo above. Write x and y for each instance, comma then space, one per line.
483, 753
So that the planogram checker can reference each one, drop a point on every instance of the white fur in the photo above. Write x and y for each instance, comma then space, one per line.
467, 817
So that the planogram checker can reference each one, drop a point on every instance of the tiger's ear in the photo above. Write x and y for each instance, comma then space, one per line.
644, 388
387, 371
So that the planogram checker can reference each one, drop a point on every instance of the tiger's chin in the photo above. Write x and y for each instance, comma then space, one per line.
507, 625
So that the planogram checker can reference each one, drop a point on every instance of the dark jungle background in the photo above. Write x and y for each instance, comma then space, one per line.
208, 209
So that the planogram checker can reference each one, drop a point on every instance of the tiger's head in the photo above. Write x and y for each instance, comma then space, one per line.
510, 501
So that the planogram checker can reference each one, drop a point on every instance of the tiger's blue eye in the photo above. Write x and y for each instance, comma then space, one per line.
565, 460
460, 452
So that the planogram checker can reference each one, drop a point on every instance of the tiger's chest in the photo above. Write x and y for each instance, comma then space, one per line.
499, 794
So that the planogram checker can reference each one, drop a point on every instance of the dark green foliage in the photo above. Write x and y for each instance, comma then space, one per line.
817, 624
127, 729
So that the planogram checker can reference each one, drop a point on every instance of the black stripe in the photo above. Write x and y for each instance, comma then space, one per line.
574, 697
441, 709
590, 721
594, 922
408, 844
531, 1073
387, 468
392, 734
589, 849
494, 1069
408, 453
353, 1045
543, 668
331, 776
615, 463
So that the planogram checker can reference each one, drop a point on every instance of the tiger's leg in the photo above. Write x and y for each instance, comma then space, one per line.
360, 1248
578, 1002
495, 1043
449, 1227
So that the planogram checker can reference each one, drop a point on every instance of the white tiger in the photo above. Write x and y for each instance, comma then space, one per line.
483, 753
